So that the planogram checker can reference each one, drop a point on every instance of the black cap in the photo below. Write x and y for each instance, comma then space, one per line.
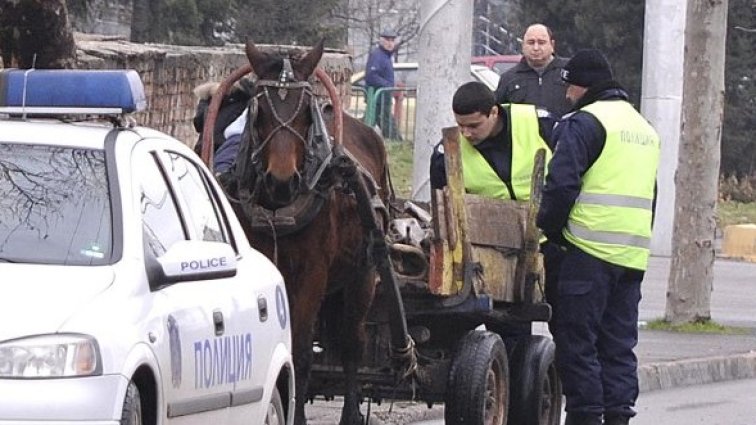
587, 68
388, 33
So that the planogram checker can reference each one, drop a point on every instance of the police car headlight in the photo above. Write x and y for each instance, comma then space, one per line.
49, 356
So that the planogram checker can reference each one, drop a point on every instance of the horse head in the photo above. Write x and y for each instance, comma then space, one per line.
279, 123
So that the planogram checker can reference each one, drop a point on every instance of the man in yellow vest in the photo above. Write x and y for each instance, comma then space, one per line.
498, 144
598, 203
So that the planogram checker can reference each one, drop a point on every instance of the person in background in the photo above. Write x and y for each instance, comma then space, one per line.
230, 108
598, 203
498, 144
536, 79
379, 73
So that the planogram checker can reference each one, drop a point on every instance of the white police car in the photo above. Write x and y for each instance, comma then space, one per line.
128, 291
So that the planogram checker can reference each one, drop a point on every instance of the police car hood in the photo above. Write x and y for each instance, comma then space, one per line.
38, 299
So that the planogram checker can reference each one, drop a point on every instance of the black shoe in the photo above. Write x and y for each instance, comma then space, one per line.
582, 418
616, 420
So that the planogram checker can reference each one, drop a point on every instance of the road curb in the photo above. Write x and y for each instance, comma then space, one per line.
699, 371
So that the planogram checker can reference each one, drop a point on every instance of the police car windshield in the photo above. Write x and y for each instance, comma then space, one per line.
54, 205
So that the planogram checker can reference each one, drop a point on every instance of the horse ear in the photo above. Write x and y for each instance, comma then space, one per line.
308, 63
256, 58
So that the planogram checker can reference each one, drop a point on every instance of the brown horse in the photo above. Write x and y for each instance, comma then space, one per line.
297, 209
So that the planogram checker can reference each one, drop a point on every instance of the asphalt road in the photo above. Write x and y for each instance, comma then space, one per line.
730, 403
732, 303
731, 298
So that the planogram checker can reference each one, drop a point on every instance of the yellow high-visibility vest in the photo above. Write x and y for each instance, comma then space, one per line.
611, 218
481, 179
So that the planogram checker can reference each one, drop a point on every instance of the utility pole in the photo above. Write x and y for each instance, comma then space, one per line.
661, 102
443, 65
691, 272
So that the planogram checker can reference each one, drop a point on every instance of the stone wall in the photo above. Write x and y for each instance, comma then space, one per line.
170, 73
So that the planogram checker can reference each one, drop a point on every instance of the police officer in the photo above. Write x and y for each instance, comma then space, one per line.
598, 203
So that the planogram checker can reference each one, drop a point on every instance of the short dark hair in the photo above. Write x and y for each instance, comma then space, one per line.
473, 97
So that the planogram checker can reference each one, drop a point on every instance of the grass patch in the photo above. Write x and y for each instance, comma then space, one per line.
400, 166
702, 327
734, 212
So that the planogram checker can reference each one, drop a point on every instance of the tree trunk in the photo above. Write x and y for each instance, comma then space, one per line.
691, 273
36, 33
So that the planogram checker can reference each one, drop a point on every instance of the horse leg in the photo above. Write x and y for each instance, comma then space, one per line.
302, 365
358, 296
304, 311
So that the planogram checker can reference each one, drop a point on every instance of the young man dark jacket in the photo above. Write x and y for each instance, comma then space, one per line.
523, 84
497, 149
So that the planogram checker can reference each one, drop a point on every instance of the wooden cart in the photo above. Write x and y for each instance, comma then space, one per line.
471, 281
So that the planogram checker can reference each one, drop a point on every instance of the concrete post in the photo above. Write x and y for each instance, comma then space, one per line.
661, 100
444, 64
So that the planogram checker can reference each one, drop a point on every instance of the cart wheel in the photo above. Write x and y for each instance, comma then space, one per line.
536, 391
478, 385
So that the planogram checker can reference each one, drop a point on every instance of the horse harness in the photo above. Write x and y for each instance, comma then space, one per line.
327, 167
319, 170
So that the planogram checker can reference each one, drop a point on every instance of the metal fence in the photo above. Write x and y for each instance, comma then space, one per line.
398, 123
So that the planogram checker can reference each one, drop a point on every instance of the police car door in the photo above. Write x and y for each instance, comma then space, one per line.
196, 382
255, 313
228, 357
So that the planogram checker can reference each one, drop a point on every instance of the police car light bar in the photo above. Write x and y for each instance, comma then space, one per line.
52, 92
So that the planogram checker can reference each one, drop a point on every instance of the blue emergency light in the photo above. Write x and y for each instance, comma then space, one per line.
51, 91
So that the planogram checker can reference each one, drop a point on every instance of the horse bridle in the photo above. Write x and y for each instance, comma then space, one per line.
317, 144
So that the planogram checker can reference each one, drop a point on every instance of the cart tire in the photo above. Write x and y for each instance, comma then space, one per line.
536, 392
131, 414
477, 392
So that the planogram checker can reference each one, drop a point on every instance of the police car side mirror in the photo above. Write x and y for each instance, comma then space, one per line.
197, 260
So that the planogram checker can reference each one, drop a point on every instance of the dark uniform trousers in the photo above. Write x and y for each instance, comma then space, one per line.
595, 328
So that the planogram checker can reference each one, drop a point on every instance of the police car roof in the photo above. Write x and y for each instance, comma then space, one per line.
90, 135
66, 92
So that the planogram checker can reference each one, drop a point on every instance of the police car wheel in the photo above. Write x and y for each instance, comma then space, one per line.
477, 390
275, 414
132, 406
536, 392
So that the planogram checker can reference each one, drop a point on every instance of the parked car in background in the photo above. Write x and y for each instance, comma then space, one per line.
130, 294
498, 63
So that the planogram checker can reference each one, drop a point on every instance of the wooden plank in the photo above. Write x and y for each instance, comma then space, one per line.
495, 222
528, 272
498, 273
455, 208
440, 267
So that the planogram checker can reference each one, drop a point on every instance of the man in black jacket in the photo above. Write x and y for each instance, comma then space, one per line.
536, 79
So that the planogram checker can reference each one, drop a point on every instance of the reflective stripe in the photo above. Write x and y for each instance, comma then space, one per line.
608, 237
615, 200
